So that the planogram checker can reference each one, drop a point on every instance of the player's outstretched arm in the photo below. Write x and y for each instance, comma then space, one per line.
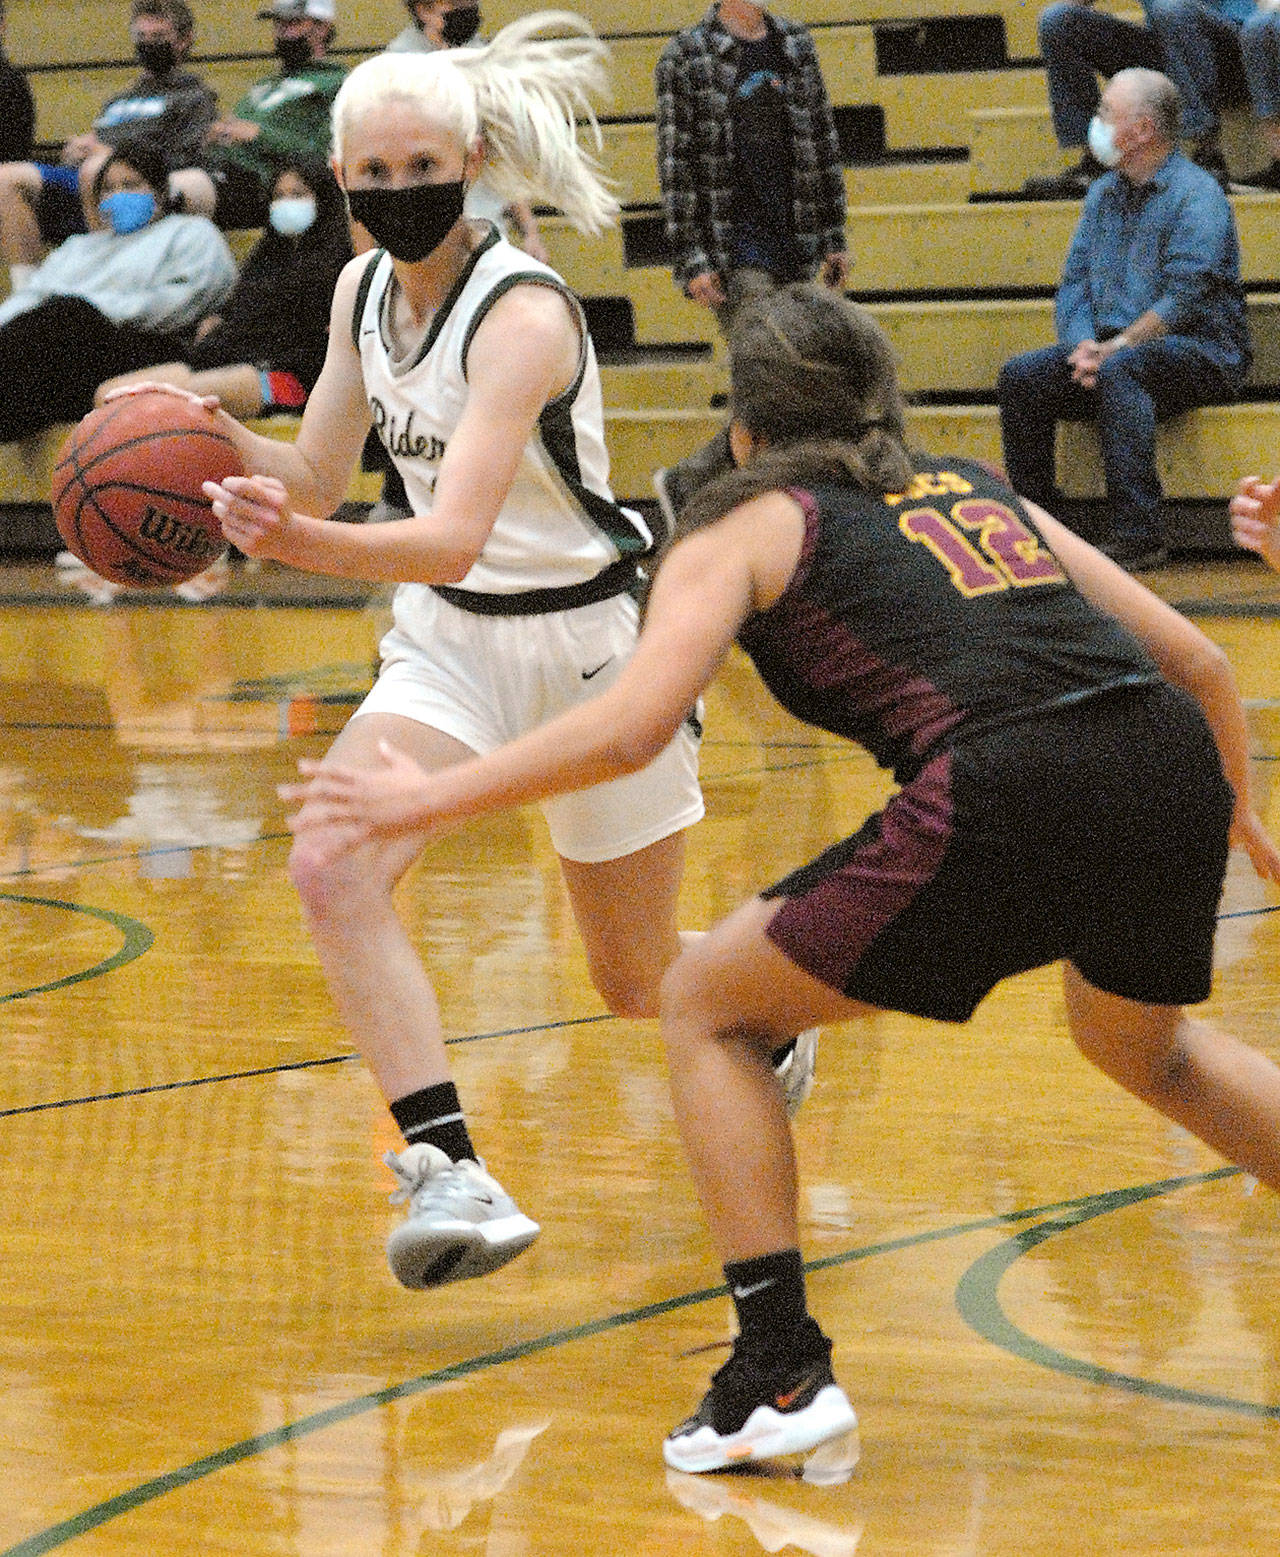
1187, 658
703, 593
1255, 517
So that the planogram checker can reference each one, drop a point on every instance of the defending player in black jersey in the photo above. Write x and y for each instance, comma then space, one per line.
1071, 756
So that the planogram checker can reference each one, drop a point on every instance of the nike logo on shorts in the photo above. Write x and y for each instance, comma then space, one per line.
588, 674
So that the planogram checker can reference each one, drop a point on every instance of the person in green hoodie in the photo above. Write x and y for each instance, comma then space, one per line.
279, 118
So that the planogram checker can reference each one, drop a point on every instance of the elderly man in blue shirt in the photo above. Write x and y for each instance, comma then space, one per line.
1150, 316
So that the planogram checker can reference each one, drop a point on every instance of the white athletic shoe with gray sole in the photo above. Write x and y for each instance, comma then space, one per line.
461, 1222
797, 1068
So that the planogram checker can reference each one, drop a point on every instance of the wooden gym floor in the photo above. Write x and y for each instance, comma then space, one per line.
1059, 1318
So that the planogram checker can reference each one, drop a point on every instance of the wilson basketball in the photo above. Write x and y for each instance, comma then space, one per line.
126, 489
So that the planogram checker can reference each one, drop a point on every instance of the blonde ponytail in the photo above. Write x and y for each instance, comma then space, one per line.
533, 93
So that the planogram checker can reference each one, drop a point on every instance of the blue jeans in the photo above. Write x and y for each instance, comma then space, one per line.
1136, 388
1198, 50
1260, 45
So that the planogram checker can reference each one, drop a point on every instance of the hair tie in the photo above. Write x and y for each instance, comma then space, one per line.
807, 363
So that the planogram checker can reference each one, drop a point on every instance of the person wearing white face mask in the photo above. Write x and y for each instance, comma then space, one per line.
284, 115
1150, 316
110, 300
263, 350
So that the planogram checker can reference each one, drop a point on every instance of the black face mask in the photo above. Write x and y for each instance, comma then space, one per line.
408, 223
157, 59
293, 54
460, 25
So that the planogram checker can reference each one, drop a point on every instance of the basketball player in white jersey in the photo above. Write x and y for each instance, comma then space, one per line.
517, 571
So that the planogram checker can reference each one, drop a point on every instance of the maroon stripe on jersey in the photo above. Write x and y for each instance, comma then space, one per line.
890, 703
847, 897
824, 673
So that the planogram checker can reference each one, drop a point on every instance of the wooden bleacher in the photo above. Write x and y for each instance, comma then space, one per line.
939, 115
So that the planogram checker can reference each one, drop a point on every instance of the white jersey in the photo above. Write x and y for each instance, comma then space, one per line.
559, 525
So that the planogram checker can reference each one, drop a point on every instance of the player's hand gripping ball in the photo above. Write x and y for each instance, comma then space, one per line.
126, 489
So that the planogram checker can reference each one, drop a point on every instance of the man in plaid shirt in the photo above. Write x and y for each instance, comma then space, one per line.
751, 180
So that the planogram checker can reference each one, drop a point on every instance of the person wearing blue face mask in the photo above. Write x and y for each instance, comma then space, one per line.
42, 203
109, 300
262, 351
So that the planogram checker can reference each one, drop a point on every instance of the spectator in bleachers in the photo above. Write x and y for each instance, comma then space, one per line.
1260, 45
436, 24
17, 107
1150, 317
284, 115
751, 178
1196, 43
42, 203
110, 300
263, 350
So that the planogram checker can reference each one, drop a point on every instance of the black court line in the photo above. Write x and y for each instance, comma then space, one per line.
1063, 1214
277, 1070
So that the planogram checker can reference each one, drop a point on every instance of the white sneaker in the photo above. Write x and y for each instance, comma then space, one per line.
461, 1222
80, 576
796, 1070
670, 500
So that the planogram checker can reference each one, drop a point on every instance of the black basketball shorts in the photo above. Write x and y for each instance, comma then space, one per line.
1096, 833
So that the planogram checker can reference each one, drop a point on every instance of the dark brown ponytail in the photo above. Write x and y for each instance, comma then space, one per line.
813, 376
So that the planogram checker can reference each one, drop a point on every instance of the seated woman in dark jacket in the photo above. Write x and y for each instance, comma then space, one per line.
264, 351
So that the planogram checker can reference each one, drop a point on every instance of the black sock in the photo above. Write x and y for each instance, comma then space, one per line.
434, 1115
768, 1294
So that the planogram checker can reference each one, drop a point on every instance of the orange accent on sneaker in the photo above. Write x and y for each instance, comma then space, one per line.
789, 1397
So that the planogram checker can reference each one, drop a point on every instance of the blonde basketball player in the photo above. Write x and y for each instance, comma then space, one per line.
517, 572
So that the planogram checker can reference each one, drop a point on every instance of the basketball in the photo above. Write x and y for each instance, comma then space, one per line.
126, 489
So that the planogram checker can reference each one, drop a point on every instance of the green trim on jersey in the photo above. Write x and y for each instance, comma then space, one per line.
555, 422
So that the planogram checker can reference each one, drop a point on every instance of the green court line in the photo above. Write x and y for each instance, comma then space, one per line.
1067, 1213
137, 939
978, 1299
